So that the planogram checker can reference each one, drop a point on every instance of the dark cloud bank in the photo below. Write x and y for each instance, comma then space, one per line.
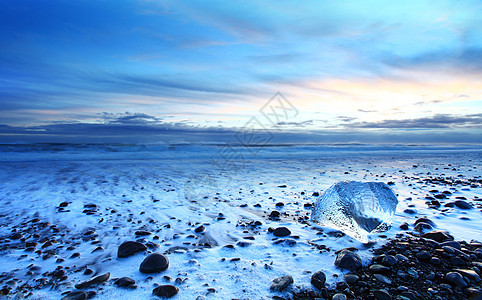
144, 128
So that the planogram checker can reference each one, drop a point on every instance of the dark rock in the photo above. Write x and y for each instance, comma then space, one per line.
425, 220
142, 232
382, 278
166, 291
75, 295
285, 242
472, 275
453, 244
318, 279
389, 260
410, 211
351, 278
379, 269
438, 235
435, 261
96, 280
274, 214
348, 260
124, 282
463, 205
339, 296
382, 295
281, 283
456, 279
130, 248
404, 226
281, 231
421, 226
423, 255
154, 263
200, 229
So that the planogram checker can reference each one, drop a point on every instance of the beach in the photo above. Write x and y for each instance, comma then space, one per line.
215, 215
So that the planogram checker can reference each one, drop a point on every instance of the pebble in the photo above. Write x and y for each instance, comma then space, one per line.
351, 278
96, 280
154, 263
75, 295
348, 260
124, 282
130, 248
382, 295
339, 296
318, 279
166, 291
281, 283
456, 279
281, 231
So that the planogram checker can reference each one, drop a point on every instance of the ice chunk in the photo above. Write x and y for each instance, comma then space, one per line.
356, 208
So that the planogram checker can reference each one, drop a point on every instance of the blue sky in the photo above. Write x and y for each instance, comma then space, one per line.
352, 69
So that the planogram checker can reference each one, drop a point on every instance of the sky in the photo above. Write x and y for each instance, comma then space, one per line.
315, 71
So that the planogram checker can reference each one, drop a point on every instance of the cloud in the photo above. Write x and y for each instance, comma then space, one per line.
295, 124
436, 121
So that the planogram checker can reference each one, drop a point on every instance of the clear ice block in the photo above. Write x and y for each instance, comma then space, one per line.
356, 208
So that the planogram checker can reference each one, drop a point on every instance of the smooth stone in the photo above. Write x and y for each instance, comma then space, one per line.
348, 260
200, 229
456, 279
166, 291
351, 278
281, 231
124, 282
379, 269
382, 278
463, 205
389, 260
382, 295
75, 295
154, 263
318, 279
423, 255
281, 283
438, 236
96, 280
453, 244
471, 274
130, 248
339, 296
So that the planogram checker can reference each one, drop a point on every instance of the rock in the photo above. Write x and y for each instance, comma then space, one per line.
463, 205
438, 236
422, 226
348, 260
124, 282
382, 278
96, 280
423, 255
452, 244
410, 211
389, 260
154, 263
143, 232
435, 261
351, 278
339, 296
274, 214
379, 269
200, 229
281, 283
166, 291
382, 295
356, 208
318, 279
456, 279
281, 231
404, 226
75, 295
130, 248
471, 274
425, 220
